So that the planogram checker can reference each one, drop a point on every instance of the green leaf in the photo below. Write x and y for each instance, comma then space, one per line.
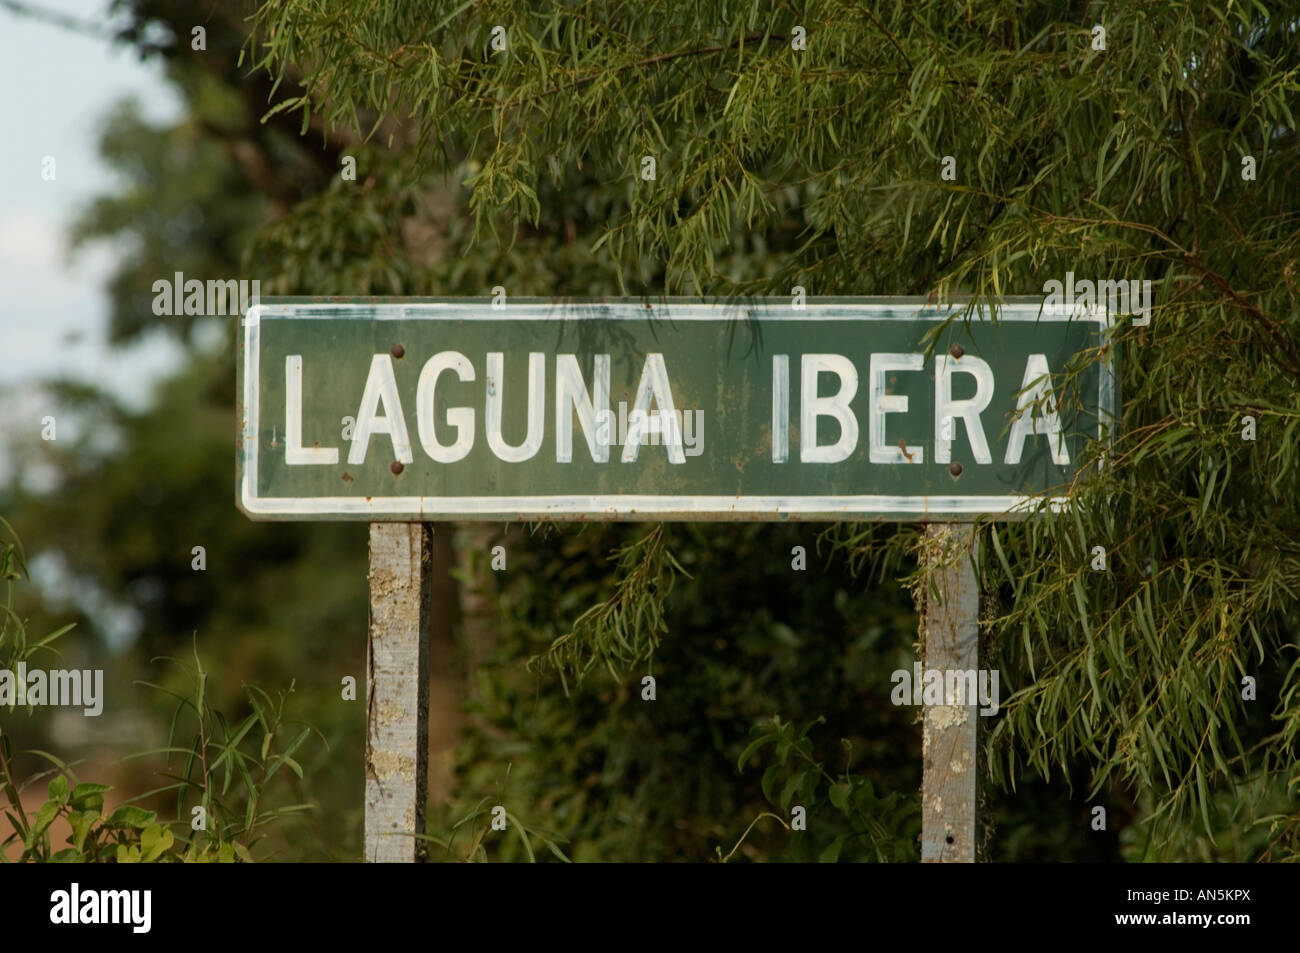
1002, 557
20, 826
283, 105
59, 789
53, 635
128, 815
11, 792
297, 742
1081, 602
1204, 801
840, 796
81, 823
149, 838
279, 760
753, 746
769, 778
832, 852
154, 841
44, 818
788, 791
87, 796
523, 838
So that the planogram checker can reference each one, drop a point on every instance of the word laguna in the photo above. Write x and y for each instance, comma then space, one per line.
840, 410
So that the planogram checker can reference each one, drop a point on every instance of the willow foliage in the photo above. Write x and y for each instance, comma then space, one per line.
802, 144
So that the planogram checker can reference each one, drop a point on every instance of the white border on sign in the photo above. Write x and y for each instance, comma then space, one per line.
617, 506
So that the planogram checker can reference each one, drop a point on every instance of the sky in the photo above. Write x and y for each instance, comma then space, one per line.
58, 85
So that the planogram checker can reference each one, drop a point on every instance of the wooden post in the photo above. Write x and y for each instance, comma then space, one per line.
397, 691
950, 770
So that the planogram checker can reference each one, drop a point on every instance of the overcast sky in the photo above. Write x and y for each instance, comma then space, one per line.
58, 85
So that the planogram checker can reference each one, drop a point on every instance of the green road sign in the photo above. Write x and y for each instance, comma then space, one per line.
414, 409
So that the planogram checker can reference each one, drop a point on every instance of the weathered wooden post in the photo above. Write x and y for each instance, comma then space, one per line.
950, 769
397, 691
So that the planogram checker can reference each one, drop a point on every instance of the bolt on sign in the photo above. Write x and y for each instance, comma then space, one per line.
847, 408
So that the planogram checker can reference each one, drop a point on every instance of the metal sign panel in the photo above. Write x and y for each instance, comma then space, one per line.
419, 409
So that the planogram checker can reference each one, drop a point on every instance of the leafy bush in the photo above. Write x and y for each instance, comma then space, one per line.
227, 771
